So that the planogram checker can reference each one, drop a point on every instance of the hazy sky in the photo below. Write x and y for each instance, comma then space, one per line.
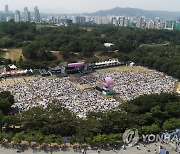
80, 6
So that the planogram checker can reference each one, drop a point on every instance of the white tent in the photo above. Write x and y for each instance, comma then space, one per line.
12, 67
132, 64
108, 44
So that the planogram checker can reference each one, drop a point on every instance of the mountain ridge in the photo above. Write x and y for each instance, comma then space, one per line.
168, 15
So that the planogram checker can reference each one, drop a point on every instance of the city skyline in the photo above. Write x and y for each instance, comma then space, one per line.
125, 21
81, 6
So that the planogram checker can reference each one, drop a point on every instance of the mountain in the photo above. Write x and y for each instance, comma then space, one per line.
166, 15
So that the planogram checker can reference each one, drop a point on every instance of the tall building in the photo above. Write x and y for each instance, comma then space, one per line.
27, 15
106, 20
169, 25
162, 24
36, 14
88, 19
6, 11
17, 16
126, 22
157, 23
80, 20
150, 24
98, 20
140, 23
172, 25
1, 16
177, 25
7, 15
122, 21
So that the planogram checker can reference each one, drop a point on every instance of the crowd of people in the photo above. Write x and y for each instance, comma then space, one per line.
127, 84
41, 91
131, 84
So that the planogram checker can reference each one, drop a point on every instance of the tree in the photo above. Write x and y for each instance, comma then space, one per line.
171, 124
153, 129
6, 101
1, 120
173, 109
6, 42
35, 52
19, 137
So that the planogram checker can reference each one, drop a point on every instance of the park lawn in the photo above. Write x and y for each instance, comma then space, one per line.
12, 53
178, 87
124, 68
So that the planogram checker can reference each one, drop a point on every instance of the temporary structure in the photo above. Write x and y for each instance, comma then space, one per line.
13, 67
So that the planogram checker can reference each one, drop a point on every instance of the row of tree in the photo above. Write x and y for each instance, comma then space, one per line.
148, 113
161, 58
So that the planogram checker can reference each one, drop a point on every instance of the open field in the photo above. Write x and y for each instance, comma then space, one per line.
124, 68
12, 53
178, 87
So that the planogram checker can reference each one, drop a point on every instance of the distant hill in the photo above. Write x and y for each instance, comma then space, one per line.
137, 12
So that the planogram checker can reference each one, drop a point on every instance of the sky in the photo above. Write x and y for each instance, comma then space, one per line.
87, 6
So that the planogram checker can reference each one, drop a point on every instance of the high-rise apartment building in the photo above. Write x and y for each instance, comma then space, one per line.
27, 15
1, 16
172, 25
169, 25
106, 20
140, 23
17, 16
177, 25
122, 21
150, 24
126, 22
98, 20
6, 11
80, 20
36, 15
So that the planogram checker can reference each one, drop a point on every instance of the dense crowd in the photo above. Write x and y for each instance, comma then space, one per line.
131, 84
127, 84
41, 91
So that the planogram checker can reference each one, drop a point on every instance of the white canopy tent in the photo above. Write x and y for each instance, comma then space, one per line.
13, 67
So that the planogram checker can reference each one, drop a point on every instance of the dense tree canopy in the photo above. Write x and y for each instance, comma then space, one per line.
161, 58
6, 101
16, 34
36, 52
157, 49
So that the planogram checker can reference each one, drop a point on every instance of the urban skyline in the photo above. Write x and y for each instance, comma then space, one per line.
66, 20
81, 6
